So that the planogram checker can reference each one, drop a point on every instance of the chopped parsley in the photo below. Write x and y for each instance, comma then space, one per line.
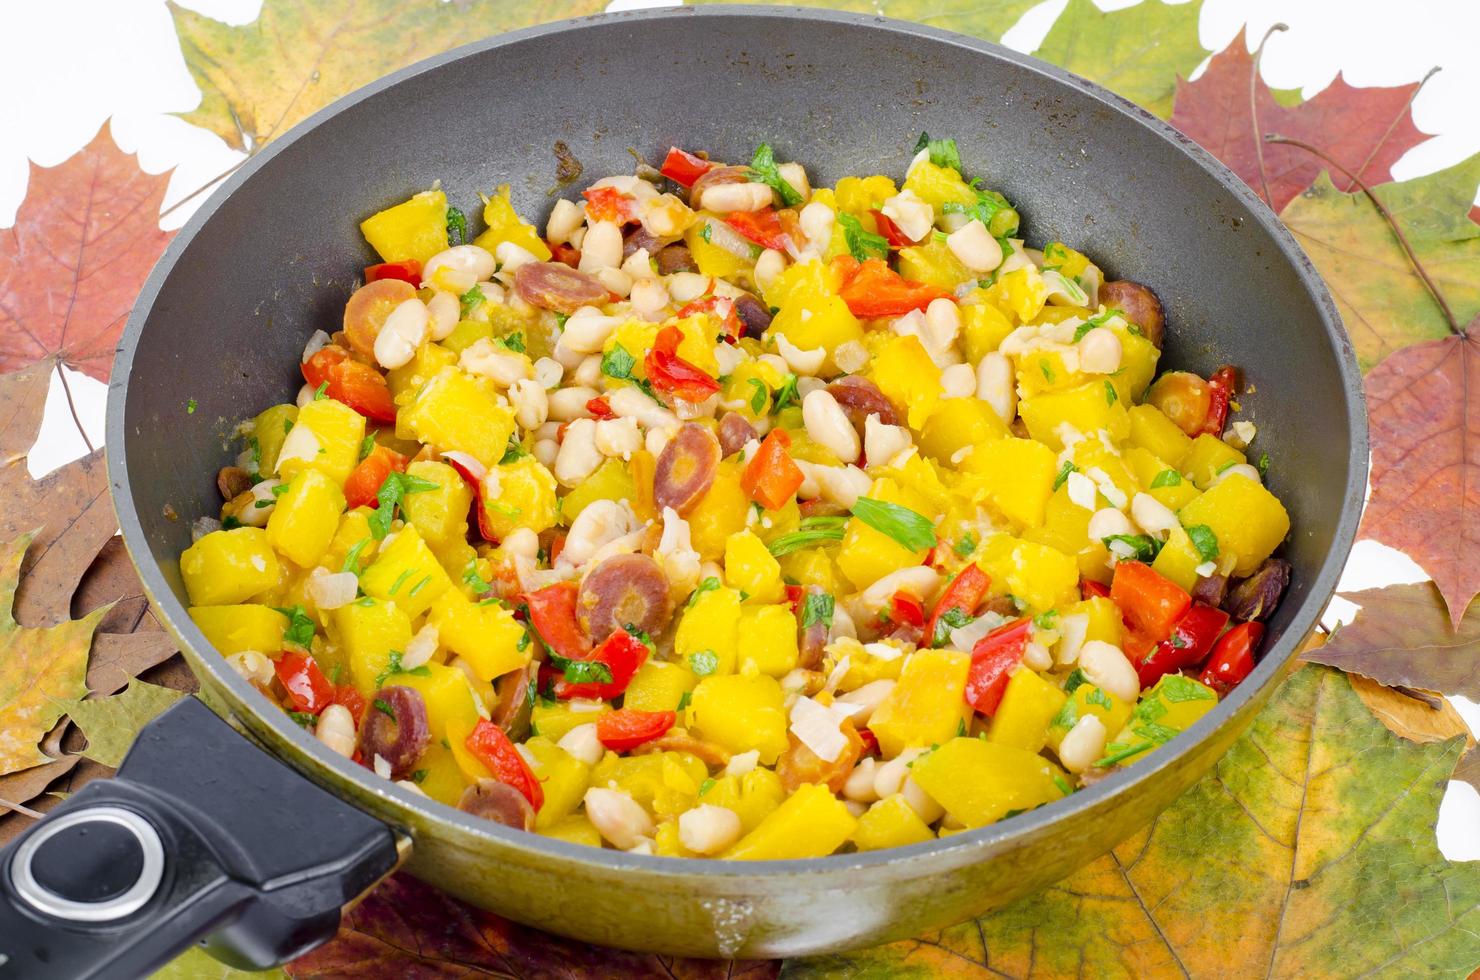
708, 585
1064, 472
618, 363
321, 393
817, 607
300, 627
951, 619
1075, 679
1111, 396
759, 396
1143, 547
392, 492
863, 244
1048, 374
943, 153
457, 226
967, 544
763, 170
367, 446
1098, 697
786, 395
706, 232
581, 671
684, 699
471, 300
913, 530
352, 557
305, 719
703, 662
708, 784
190, 406
475, 581
1263, 465
514, 452
384, 708
1204, 540
1166, 478
513, 342
1046, 620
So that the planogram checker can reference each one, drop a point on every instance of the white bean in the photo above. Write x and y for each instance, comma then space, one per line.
569, 404
870, 696
253, 666
546, 451
975, 246
564, 220
403, 331
996, 386
656, 441
458, 268
531, 404
708, 829
881, 442
957, 381
828, 425
548, 372
1036, 656
304, 396
522, 542
617, 817
1154, 516
724, 198
618, 438
264, 501
1084, 744
685, 287
585, 332
581, 743
1099, 352
628, 401
1237, 469
943, 323
1108, 522
588, 373
336, 729
921, 802
914, 216
859, 786
796, 175
889, 778
615, 281
499, 364
444, 310
511, 257
768, 267
803, 362
840, 484
602, 247
665, 216
816, 220
1107, 667
649, 299
578, 456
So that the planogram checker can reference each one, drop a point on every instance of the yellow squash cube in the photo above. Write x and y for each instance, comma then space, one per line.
554, 719
438, 515
306, 517
232, 629
708, 635
658, 686
809, 823
226, 567
366, 631
904, 372
927, 704
326, 437
425, 364
720, 512
269, 429
505, 225
868, 554
562, 776
891, 822
939, 186
980, 782
525, 497
753, 796
446, 692
1178, 560
983, 326
414, 229
1084, 409
1158, 435
1249, 521
353, 532
1016, 475
438, 774
1165, 711
768, 640
750, 568
741, 713
457, 411
1042, 578
611, 481
1028, 706
957, 423
1020, 293
487, 636
1160, 479
573, 830
932, 263
1207, 457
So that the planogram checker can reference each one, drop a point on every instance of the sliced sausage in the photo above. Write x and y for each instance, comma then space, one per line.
754, 314
686, 468
859, 398
233, 481
499, 802
395, 728
1139, 304
514, 707
676, 258
735, 431
624, 590
556, 286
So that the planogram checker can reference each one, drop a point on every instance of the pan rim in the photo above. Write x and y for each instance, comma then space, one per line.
317, 761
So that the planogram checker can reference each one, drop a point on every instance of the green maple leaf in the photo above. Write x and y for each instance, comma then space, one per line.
988, 19
1384, 303
1308, 851
111, 724
258, 79
1138, 52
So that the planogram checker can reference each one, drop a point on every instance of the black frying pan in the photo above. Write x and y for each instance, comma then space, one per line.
258, 848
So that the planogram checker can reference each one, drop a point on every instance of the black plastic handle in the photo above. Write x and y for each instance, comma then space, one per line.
201, 837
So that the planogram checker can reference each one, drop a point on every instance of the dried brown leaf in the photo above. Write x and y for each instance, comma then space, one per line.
1401, 637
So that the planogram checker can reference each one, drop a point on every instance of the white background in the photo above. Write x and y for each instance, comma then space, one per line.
67, 66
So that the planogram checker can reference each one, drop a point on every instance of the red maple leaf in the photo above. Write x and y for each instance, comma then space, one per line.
1229, 110
85, 237
1424, 405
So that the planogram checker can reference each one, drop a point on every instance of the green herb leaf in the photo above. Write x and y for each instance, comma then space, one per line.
786, 395
190, 406
913, 530
513, 342
617, 363
817, 607
684, 699
758, 398
1204, 540
1075, 679
1111, 396
797, 540
1046, 620
708, 585
392, 491
863, 244
1143, 547
952, 619
763, 170
1048, 374
943, 153
476, 582
1263, 465
707, 232
384, 709
1064, 472
514, 452
300, 627
367, 446
581, 671
471, 300
1166, 478
1098, 697
321, 392
703, 662
968, 543
708, 784
457, 226
1118, 752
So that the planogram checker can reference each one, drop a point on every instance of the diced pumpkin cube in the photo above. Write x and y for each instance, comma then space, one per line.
611, 481
708, 637
1040, 577
554, 719
487, 636
1065, 525
1045, 369
983, 326
811, 321
750, 568
438, 775
1105, 622
709, 257
428, 361
809, 823
770, 640
269, 429
525, 496
939, 186
658, 686
981, 782
927, 705
1158, 435
1248, 520
904, 372
957, 423
1160, 479
414, 229
407, 573
1164, 711
562, 776
934, 264
1207, 457
353, 531
860, 195
753, 796
442, 514
1020, 293
1016, 475
1138, 357
232, 629
326, 437
741, 713
505, 225
467, 333
457, 411
446, 693
573, 830
891, 822
1178, 560
868, 554
813, 566
366, 631
720, 512
226, 567
306, 517
662, 782
1084, 409
1028, 706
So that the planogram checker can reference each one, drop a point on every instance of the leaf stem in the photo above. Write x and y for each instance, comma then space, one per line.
22, 809
206, 186
1423, 697
72, 407
1387, 216
1254, 106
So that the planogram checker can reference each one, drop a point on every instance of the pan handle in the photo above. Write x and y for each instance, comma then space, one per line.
201, 837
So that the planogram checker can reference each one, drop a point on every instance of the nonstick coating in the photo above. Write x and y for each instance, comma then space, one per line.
276, 251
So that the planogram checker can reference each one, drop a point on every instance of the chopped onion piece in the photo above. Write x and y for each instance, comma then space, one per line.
317, 341
421, 648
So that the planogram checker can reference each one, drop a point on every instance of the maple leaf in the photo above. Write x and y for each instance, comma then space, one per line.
1316, 828
1137, 52
1229, 109
84, 239
406, 927
259, 79
1383, 299
1420, 717
989, 20
1401, 637
1424, 408
112, 723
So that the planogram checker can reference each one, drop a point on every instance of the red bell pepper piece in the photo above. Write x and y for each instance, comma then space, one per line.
671, 373
622, 653
407, 270
992, 661
907, 609
870, 741
346, 695
363, 484
1191, 639
794, 595
1149, 602
1233, 657
722, 308
552, 613
492, 747
1090, 589
626, 728
683, 167
308, 689
565, 253
891, 232
964, 594
1221, 386
872, 289
357, 385
772, 477
762, 227
609, 204
600, 408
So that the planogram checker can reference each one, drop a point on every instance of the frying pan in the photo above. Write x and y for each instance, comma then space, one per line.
256, 843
